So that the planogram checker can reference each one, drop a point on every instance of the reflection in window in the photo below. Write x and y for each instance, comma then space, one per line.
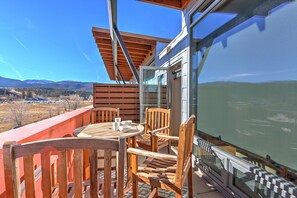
244, 77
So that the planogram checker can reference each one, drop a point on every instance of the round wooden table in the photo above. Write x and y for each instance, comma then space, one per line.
104, 130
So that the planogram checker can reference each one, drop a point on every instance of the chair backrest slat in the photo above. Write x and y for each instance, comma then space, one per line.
46, 181
104, 114
29, 176
93, 173
62, 173
11, 171
64, 150
157, 118
185, 145
107, 173
78, 172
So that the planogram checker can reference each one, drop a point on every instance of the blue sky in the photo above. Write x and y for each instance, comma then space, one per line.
53, 40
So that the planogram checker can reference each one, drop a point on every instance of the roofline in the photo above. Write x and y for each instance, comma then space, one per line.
141, 36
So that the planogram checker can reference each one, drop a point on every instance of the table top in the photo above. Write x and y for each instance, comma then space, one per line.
104, 130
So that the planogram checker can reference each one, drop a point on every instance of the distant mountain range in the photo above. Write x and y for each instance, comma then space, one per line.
69, 85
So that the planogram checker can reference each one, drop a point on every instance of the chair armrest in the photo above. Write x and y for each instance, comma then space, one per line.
151, 154
158, 130
166, 136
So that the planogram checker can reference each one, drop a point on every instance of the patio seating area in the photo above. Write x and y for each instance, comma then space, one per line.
69, 166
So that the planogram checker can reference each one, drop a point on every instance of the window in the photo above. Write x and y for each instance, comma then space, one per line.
244, 77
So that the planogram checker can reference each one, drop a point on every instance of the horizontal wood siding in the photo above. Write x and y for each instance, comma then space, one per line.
125, 97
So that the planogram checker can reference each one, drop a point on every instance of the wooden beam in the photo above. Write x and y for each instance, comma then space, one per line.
137, 62
133, 48
128, 45
176, 4
132, 54
122, 57
127, 39
184, 3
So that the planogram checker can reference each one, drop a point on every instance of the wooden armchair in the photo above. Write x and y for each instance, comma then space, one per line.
40, 152
157, 121
104, 114
166, 171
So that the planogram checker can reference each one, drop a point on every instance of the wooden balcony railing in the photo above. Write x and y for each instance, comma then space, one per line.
55, 127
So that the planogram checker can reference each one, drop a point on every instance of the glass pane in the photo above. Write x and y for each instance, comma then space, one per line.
246, 183
154, 89
210, 160
244, 78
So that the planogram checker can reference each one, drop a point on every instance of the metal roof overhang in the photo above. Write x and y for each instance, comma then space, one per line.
139, 47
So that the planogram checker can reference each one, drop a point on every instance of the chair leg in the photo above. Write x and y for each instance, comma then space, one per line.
154, 192
169, 147
135, 187
178, 194
190, 182
134, 176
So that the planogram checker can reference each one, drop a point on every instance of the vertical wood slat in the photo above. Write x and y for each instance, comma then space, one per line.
166, 121
62, 173
78, 173
120, 167
134, 170
11, 171
159, 120
153, 121
46, 182
93, 173
93, 117
107, 173
129, 168
86, 164
29, 176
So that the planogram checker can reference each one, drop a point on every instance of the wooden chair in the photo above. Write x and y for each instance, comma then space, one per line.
166, 171
67, 148
157, 121
104, 114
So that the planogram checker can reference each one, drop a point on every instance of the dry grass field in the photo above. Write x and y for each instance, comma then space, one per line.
34, 112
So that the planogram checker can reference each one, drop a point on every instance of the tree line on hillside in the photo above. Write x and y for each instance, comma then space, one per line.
23, 93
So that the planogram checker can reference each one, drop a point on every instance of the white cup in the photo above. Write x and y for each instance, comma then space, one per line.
117, 120
115, 126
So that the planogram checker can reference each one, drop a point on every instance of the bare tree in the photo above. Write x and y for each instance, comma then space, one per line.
71, 102
17, 113
74, 101
65, 102
90, 98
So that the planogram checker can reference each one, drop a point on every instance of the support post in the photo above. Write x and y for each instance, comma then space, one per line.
126, 53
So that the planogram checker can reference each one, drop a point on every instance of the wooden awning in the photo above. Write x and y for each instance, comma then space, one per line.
176, 4
139, 47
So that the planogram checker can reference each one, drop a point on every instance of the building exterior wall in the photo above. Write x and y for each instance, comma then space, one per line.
179, 50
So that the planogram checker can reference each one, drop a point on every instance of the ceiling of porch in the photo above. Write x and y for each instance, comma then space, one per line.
139, 47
